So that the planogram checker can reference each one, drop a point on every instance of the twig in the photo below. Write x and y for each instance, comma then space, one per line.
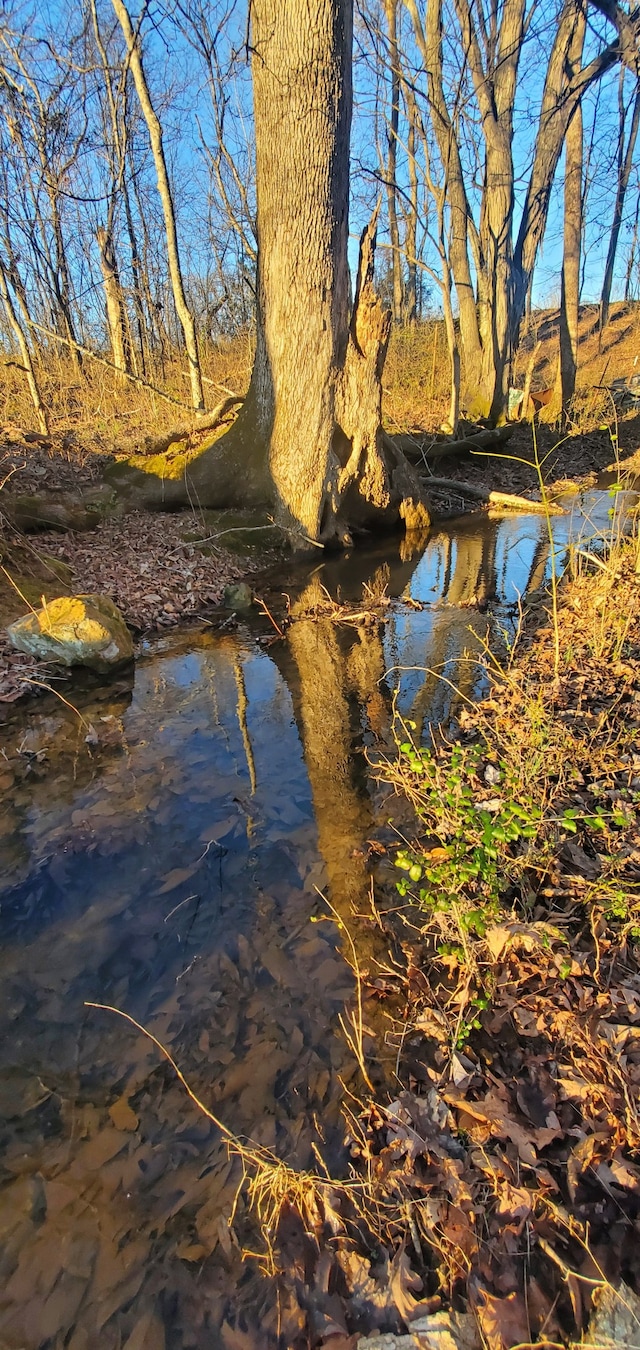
42, 684
269, 615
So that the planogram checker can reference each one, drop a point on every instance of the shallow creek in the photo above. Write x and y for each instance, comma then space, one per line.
172, 866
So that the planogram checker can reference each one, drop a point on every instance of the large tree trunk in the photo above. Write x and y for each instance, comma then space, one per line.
309, 437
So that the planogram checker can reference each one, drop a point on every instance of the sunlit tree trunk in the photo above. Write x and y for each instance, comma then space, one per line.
391, 12
559, 102
114, 303
429, 41
25, 351
570, 283
411, 229
164, 189
625, 162
309, 436
494, 72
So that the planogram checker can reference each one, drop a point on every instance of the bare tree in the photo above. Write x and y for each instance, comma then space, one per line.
132, 39
24, 349
492, 265
624, 165
570, 281
391, 15
46, 143
428, 38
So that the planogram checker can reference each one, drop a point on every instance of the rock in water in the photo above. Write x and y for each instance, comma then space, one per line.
237, 596
81, 630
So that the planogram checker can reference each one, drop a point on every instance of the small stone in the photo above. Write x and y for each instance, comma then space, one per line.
237, 596
83, 630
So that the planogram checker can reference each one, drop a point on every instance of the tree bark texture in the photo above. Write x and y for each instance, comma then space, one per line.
309, 435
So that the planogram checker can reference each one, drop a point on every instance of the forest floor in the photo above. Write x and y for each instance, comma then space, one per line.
500, 1200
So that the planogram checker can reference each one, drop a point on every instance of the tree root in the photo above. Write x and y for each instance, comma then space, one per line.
420, 447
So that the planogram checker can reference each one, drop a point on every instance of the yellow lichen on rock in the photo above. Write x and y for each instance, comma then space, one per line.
76, 630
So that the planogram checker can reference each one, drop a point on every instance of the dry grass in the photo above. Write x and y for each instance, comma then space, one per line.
101, 411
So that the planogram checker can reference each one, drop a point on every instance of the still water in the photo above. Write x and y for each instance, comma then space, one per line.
172, 865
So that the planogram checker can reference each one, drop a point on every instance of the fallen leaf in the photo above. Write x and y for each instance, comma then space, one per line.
176, 877
122, 1115
503, 1321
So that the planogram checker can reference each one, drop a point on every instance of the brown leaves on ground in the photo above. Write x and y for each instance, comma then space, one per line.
143, 562
156, 576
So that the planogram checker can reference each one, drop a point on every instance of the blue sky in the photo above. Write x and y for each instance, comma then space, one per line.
178, 80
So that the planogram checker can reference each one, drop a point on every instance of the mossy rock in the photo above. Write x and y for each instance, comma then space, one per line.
33, 513
154, 482
157, 482
77, 630
237, 596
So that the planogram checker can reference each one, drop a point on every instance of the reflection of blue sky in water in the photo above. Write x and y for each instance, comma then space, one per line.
174, 875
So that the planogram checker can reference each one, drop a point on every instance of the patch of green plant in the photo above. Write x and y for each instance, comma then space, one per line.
473, 826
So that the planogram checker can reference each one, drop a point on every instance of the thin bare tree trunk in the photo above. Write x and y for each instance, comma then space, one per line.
429, 42
631, 261
559, 101
114, 303
570, 284
391, 11
157, 149
25, 351
625, 161
411, 229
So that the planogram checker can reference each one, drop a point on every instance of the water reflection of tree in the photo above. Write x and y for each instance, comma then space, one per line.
339, 691
336, 673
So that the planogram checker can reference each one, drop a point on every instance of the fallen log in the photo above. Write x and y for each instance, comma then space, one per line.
489, 497
423, 447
